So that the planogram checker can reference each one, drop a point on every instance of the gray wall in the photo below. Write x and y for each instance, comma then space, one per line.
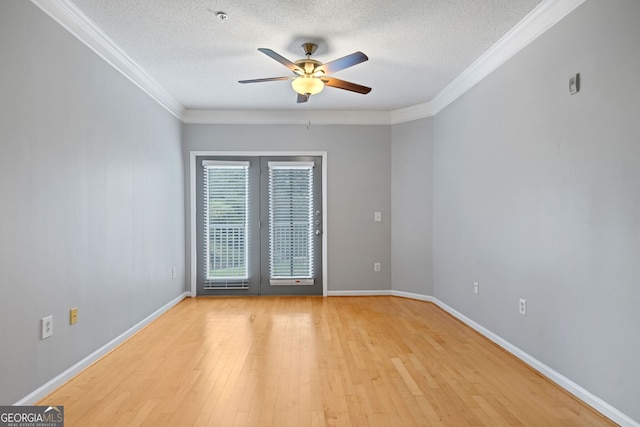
411, 198
91, 200
359, 180
536, 196
523, 188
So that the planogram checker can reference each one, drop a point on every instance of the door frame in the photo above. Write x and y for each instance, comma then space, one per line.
193, 197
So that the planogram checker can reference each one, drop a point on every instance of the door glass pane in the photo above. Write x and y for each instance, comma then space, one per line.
226, 222
291, 220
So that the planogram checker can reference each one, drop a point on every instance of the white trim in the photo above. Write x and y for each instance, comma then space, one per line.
84, 29
410, 295
74, 370
292, 282
579, 392
542, 17
584, 395
192, 224
291, 165
192, 205
325, 226
226, 164
287, 117
358, 293
539, 20
412, 112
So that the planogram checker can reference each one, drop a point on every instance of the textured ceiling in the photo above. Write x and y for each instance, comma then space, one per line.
415, 47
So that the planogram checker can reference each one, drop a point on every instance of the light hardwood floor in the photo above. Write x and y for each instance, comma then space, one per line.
313, 361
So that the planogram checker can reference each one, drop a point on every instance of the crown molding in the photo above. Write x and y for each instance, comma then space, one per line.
412, 112
288, 117
77, 23
544, 16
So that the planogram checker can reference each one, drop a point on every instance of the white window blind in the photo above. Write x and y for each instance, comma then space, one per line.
226, 204
290, 220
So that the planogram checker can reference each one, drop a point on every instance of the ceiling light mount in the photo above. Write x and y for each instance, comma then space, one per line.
309, 48
222, 16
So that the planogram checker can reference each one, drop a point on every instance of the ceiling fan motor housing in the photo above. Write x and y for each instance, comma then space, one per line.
308, 65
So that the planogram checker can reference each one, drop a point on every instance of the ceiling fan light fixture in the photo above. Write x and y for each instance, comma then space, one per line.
307, 85
310, 76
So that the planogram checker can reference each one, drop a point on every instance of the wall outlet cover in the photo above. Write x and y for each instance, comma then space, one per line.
46, 327
523, 306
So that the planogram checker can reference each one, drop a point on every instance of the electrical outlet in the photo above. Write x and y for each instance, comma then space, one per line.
523, 306
476, 288
73, 316
376, 266
46, 327
377, 216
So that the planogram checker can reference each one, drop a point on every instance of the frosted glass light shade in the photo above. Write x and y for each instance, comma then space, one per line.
307, 85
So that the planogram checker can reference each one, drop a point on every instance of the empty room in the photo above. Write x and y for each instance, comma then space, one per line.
367, 213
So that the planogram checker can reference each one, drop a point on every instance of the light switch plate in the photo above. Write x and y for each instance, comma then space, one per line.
574, 84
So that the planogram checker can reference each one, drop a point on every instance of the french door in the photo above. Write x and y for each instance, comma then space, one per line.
259, 222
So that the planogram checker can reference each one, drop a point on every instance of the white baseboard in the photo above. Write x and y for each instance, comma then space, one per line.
65, 376
358, 293
585, 396
410, 295
573, 388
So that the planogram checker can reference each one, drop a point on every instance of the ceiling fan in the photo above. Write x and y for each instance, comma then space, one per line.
311, 76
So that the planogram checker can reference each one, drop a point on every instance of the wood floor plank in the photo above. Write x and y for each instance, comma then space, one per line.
313, 361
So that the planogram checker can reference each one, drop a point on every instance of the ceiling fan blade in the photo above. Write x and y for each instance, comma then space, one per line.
341, 84
302, 98
342, 63
281, 59
268, 79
